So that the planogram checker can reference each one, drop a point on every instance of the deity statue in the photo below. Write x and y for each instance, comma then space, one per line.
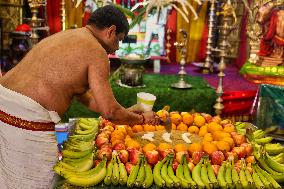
271, 18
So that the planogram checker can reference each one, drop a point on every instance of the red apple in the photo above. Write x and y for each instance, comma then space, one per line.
107, 152
175, 165
196, 156
164, 153
103, 135
239, 139
207, 117
152, 157
234, 155
180, 154
133, 155
216, 169
248, 148
128, 167
100, 141
217, 158
240, 151
191, 166
123, 156
119, 146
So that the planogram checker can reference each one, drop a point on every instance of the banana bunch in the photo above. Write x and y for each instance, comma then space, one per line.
269, 165
274, 149
279, 158
88, 178
241, 127
141, 174
116, 172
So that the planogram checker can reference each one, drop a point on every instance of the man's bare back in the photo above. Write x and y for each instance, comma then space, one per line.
57, 69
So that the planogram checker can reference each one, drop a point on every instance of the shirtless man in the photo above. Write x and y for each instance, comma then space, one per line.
60, 67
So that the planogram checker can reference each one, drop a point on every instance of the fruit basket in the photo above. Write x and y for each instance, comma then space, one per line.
204, 152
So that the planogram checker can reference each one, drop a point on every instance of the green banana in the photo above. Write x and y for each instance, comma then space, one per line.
141, 174
274, 150
157, 174
228, 175
262, 178
107, 179
88, 137
205, 177
180, 175
76, 155
171, 174
92, 130
268, 177
165, 176
115, 172
257, 181
122, 173
211, 175
186, 173
243, 179
149, 179
258, 134
221, 176
133, 174
196, 175
278, 158
274, 164
264, 140
90, 180
249, 178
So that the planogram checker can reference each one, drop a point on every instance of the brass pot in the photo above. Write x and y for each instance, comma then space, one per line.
132, 75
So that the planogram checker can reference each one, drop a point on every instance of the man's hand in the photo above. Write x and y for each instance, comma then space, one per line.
136, 109
151, 118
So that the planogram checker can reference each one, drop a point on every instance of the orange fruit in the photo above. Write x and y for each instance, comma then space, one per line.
164, 146
208, 137
160, 127
209, 148
134, 144
219, 135
216, 119
202, 131
176, 118
149, 147
199, 120
230, 141
122, 129
213, 126
223, 146
148, 127
229, 129
174, 127
180, 148
117, 142
137, 128
195, 147
182, 127
129, 131
193, 129
187, 118
163, 114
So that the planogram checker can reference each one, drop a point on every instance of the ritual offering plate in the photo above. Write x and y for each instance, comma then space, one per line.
201, 151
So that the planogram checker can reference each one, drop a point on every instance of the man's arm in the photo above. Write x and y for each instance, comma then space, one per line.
88, 100
98, 73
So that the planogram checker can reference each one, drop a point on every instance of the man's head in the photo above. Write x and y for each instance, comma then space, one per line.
112, 25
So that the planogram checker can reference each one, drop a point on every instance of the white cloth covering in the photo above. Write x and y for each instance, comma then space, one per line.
26, 157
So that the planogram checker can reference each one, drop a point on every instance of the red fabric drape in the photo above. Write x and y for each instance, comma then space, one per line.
53, 13
203, 43
266, 45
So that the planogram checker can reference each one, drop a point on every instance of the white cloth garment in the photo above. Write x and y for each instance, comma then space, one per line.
26, 157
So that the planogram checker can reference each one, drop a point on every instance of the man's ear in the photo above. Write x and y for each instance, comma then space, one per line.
111, 31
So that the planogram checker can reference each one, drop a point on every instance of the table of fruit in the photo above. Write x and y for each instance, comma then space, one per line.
203, 151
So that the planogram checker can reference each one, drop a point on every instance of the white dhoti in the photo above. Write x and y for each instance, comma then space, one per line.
28, 149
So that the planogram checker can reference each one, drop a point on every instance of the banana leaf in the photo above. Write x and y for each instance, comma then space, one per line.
126, 11
138, 18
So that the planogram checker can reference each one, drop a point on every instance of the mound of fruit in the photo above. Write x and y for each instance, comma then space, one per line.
227, 155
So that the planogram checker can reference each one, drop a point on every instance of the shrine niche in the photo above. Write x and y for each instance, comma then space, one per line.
266, 39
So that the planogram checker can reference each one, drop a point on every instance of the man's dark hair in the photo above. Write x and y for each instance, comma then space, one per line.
107, 16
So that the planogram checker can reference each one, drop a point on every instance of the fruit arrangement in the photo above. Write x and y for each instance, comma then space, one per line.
228, 155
